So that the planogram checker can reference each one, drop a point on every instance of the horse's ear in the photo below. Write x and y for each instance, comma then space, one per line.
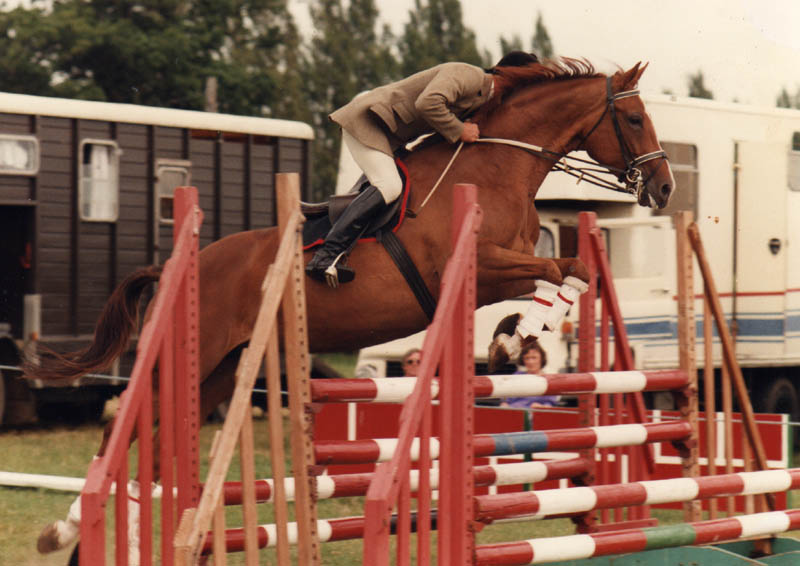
631, 77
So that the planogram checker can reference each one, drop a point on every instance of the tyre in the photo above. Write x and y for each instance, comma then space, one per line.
780, 396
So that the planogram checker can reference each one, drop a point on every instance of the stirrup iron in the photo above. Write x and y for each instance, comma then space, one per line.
332, 273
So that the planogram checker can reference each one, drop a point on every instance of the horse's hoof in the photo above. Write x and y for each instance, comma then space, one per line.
497, 357
503, 349
55, 536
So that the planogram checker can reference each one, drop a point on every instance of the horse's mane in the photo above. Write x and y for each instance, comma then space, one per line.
510, 79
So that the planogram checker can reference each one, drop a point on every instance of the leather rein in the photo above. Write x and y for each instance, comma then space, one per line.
631, 176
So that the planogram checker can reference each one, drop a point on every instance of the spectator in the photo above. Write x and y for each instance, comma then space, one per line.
411, 361
533, 358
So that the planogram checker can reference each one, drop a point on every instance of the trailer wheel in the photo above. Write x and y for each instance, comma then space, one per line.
2, 397
780, 396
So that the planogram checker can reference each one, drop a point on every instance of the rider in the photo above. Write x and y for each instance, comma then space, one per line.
377, 123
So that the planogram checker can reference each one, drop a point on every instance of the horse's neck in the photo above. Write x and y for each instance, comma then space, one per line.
551, 115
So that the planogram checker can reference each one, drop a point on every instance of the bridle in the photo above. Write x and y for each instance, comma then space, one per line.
631, 176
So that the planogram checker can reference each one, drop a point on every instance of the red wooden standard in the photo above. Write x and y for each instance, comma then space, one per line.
385, 488
175, 307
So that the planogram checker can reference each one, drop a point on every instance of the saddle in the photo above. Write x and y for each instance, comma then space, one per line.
320, 217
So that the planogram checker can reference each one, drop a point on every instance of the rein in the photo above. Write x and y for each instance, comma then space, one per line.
634, 185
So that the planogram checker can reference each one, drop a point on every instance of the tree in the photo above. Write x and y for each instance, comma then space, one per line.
256, 52
785, 100
347, 56
25, 65
435, 33
541, 44
513, 44
697, 88
138, 52
155, 52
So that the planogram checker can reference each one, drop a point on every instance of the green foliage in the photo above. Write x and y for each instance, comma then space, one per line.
153, 52
513, 44
347, 56
697, 87
128, 52
541, 44
24, 63
785, 100
435, 33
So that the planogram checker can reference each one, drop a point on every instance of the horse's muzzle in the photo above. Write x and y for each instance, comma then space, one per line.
664, 193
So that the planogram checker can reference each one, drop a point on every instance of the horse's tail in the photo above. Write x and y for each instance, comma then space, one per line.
111, 334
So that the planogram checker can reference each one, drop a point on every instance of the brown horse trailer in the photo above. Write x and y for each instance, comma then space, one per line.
86, 198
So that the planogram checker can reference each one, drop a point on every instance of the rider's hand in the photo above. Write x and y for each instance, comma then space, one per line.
470, 133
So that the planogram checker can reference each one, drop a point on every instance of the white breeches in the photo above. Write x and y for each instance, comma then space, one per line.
379, 168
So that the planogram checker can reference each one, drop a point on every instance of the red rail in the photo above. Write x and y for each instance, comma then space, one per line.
170, 338
448, 344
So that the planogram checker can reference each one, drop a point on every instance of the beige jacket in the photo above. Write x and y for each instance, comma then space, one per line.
438, 99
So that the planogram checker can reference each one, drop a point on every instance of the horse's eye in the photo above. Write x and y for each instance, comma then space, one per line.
635, 120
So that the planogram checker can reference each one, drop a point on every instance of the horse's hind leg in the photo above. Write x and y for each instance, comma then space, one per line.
214, 389
60, 534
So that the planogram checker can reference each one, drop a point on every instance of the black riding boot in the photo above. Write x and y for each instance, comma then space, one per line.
328, 263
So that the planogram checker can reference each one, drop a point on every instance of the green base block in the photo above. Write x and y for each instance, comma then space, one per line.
786, 552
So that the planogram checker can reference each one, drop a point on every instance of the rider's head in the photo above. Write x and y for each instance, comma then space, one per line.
516, 59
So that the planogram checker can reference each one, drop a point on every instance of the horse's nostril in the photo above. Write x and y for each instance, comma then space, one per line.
666, 189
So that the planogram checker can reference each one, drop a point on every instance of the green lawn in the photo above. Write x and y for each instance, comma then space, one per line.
68, 450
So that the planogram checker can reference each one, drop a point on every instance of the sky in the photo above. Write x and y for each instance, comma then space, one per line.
748, 50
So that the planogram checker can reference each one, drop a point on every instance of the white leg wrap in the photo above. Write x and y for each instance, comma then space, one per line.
533, 321
133, 523
570, 290
68, 531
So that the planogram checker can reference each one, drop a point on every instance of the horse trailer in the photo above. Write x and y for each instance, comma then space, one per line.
737, 168
86, 198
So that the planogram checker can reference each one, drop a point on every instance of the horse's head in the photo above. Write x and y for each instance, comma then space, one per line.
623, 139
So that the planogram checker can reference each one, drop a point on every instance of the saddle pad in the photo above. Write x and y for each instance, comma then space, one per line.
315, 229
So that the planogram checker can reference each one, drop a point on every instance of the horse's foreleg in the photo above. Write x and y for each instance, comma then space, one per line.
558, 283
499, 266
576, 282
553, 295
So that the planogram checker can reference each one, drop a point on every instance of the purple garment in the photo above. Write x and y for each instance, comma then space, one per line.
525, 402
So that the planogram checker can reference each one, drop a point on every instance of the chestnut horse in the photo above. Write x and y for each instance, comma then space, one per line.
561, 106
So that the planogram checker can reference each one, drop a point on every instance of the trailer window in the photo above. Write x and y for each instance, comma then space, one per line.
794, 163
170, 174
545, 245
683, 161
98, 194
19, 155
